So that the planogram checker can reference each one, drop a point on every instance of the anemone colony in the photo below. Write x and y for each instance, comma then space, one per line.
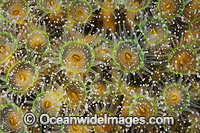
86, 57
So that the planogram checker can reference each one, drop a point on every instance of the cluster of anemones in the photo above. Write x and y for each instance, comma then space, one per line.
136, 58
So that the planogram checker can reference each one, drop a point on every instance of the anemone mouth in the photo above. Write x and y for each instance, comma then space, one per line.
143, 108
75, 93
155, 31
136, 5
99, 89
46, 102
38, 42
8, 45
171, 8
183, 60
15, 11
128, 56
79, 11
11, 119
176, 98
21, 76
77, 57
77, 128
50, 6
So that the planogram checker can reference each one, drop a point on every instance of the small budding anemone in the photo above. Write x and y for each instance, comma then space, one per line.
54, 10
8, 45
128, 56
194, 30
76, 57
46, 102
11, 119
79, 11
107, 5
130, 91
158, 72
195, 128
21, 76
75, 93
192, 115
103, 50
155, 31
2, 100
175, 126
58, 17
50, 6
125, 106
194, 91
38, 42
188, 38
176, 97
99, 88
106, 128
183, 60
143, 107
107, 13
135, 11
136, 5
14, 11
191, 10
171, 8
